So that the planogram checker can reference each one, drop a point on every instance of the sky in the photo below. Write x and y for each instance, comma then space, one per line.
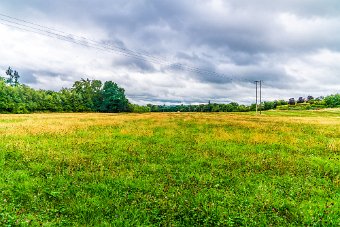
185, 52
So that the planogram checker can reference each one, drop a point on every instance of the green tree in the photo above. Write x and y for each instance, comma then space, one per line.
332, 100
84, 94
114, 99
13, 77
16, 78
9, 73
97, 99
88, 94
138, 109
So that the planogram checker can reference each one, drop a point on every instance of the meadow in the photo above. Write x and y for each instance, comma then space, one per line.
171, 169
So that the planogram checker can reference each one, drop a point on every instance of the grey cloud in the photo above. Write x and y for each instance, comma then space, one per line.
27, 77
206, 44
135, 64
305, 8
31, 76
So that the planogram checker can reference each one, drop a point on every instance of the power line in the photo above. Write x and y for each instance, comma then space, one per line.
260, 96
173, 66
53, 33
94, 41
69, 38
256, 106
123, 51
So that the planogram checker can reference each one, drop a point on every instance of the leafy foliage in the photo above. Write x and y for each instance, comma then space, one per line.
94, 96
84, 96
333, 100
113, 98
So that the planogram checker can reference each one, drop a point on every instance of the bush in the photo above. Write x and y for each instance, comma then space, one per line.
332, 100
138, 109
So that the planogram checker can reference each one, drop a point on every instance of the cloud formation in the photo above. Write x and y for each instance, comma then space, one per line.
192, 51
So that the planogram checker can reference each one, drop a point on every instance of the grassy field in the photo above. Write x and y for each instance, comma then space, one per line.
281, 168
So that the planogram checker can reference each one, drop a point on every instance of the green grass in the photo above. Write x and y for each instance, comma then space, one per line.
281, 168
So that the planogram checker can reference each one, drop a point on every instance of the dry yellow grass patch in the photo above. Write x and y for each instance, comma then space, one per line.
262, 138
61, 123
334, 145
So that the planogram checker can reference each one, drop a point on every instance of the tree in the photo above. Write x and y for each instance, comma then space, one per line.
300, 100
309, 98
332, 100
282, 102
13, 77
83, 92
66, 99
114, 99
320, 98
291, 101
9, 73
16, 78
96, 86
88, 94
269, 105
138, 109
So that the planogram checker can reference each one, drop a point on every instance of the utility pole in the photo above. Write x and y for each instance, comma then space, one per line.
256, 81
259, 107
260, 97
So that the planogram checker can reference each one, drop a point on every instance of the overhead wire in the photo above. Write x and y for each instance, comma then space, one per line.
53, 33
124, 50
82, 37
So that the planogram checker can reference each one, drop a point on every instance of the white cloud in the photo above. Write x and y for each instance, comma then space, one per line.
290, 45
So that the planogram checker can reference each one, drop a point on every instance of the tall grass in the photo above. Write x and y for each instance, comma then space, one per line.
281, 168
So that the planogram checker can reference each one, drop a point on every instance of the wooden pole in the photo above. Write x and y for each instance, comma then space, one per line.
260, 96
256, 96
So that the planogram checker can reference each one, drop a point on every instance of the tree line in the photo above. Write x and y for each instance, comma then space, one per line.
95, 96
84, 96
330, 101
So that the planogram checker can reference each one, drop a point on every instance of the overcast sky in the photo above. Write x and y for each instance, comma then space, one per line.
193, 51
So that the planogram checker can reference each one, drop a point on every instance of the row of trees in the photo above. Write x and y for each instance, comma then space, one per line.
94, 96
210, 107
310, 102
330, 101
322, 102
84, 96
